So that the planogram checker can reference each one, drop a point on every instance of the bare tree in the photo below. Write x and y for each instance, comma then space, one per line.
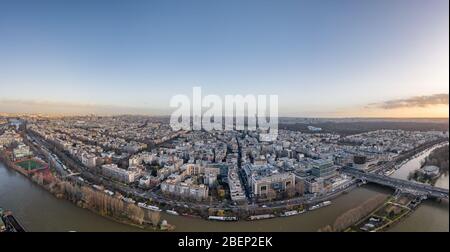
358, 213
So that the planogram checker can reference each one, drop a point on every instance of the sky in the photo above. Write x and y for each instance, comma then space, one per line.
323, 58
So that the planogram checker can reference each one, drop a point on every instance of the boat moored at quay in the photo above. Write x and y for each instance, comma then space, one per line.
149, 207
320, 205
223, 218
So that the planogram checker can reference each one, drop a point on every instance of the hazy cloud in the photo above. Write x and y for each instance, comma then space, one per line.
416, 101
67, 108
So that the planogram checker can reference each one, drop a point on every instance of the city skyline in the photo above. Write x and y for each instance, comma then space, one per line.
323, 59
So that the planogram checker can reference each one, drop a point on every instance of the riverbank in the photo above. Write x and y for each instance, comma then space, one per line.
398, 207
98, 202
429, 215
400, 173
200, 209
435, 165
40, 211
354, 215
392, 211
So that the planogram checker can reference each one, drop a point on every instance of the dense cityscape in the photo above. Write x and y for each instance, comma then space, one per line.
217, 175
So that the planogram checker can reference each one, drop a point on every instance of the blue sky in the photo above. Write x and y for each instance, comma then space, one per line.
323, 58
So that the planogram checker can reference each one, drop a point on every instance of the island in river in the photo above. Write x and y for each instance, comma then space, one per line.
433, 166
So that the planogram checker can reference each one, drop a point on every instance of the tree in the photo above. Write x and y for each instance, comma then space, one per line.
155, 218
136, 213
356, 214
327, 228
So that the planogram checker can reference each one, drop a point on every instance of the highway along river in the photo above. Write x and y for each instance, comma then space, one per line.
38, 210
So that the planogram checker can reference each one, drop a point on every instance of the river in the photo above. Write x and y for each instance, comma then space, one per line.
431, 215
38, 210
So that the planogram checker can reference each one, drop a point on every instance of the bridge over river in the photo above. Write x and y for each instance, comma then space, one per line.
399, 184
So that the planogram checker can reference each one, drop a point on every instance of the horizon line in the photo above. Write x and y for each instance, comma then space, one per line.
7, 114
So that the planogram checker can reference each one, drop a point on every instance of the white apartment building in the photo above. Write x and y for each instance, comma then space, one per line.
22, 151
187, 190
122, 175
234, 183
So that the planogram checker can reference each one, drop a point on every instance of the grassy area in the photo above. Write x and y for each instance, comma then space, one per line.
30, 165
389, 213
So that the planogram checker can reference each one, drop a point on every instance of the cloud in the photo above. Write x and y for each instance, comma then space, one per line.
416, 101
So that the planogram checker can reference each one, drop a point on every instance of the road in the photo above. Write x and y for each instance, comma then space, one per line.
155, 196
414, 187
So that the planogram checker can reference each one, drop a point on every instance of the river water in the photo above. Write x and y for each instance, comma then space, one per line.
38, 210
431, 215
